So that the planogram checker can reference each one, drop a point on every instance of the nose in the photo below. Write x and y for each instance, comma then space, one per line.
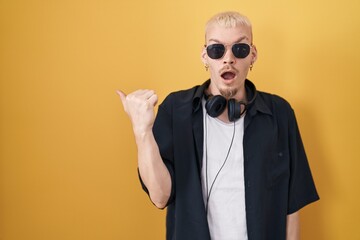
229, 57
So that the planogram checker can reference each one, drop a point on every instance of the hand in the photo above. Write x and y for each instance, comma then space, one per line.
139, 105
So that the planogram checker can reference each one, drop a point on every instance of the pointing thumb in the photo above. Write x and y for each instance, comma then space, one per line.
121, 94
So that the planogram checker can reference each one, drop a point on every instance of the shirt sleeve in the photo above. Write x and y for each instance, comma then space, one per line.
162, 131
302, 190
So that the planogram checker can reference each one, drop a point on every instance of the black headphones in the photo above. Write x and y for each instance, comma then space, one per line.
215, 105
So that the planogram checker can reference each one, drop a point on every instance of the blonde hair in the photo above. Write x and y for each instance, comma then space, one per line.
228, 20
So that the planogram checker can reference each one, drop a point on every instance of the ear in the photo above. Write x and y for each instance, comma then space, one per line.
254, 54
204, 56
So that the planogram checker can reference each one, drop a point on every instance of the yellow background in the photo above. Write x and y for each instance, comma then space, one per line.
68, 157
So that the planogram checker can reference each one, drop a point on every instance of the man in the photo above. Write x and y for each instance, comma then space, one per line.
226, 160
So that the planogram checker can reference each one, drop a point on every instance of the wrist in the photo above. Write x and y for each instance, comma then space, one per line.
141, 134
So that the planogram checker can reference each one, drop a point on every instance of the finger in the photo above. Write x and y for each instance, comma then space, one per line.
139, 92
123, 99
153, 99
148, 94
121, 94
144, 93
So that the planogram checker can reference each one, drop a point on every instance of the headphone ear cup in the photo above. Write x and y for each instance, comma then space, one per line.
234, 110
215, 105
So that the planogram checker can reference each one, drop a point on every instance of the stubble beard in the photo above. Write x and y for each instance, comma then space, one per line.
228, 92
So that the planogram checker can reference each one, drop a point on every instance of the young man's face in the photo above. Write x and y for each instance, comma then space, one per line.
228, 73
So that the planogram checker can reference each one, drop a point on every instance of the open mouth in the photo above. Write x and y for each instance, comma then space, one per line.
228, 75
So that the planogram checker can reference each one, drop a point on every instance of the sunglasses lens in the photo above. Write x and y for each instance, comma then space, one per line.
215, 51
241, 50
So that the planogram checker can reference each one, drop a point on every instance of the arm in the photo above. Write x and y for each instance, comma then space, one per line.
293, 226
139, 105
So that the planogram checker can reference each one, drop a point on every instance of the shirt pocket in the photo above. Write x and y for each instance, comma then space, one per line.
278, 168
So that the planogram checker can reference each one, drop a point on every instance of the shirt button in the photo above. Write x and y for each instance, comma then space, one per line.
248, 183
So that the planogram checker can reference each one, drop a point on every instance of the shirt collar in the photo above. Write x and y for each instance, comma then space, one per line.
199, 93
257, 104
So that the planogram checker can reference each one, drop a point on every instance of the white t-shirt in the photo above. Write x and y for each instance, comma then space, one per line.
226, 206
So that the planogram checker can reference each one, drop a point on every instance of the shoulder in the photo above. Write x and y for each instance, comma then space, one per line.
275, 103
179, 98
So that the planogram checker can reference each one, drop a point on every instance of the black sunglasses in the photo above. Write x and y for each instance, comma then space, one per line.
217, 50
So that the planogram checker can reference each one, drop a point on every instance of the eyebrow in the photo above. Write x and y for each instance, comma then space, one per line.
239, 40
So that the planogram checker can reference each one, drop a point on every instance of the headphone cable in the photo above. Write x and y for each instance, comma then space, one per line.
206, 158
